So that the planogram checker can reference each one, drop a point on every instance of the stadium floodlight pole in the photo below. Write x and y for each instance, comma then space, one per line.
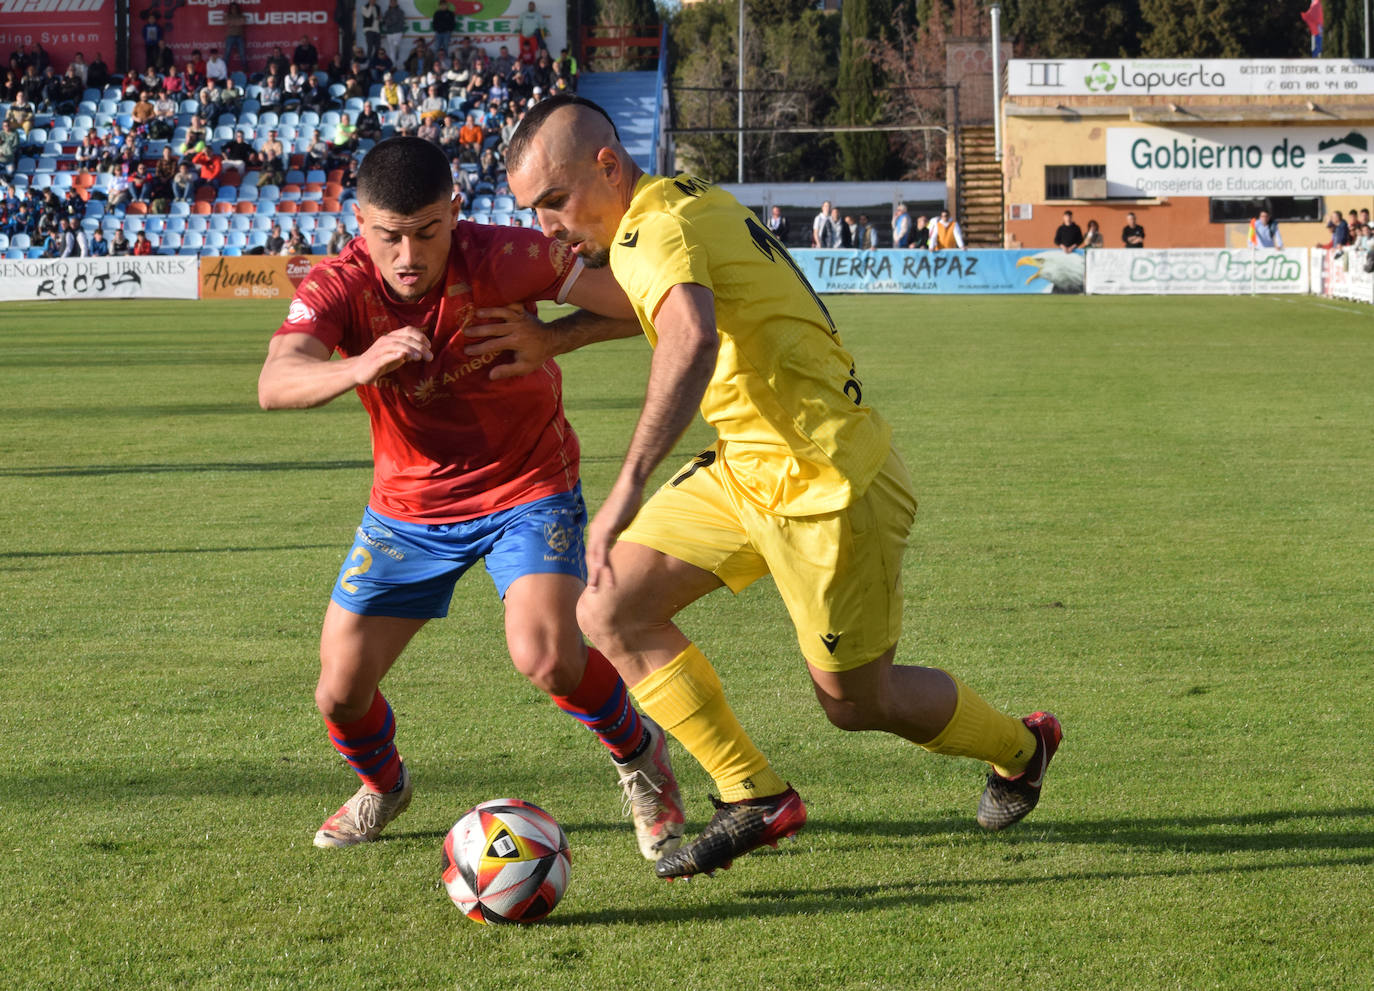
1366, 28
996, 11
739, 103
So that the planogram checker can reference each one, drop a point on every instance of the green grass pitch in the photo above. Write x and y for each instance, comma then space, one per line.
1154, 516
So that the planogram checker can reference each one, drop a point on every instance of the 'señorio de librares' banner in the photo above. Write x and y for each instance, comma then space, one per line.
896, 271
149, 277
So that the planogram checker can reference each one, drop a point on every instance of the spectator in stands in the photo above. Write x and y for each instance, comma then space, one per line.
531, 28
1340, 233
777, 223
275, 242
211, 166
475, 88
488, 167
314, 96
442, 24
470, 139
196, 136
945, 234
142, 246
216, 67
73, 205
920, 234
193, 76
32, 84
291, 87
184, 182
1092, 237
9, 147
357, 83
407, 120
166, 168
1264, 232
119, 192
432, 109
1132, 235
277, 60
144, 111
151, 81
450, 137
504, 64
369, 125
865, 234
901, 227
151, 33
339, 239
565, 69
820, 227
338, 70
237, 152
119, 244
69, 89
271, 160
420, 58
90, 152
99, 246
235, 27
306, 57
393, 93
296, 244
270, 96
317, 153
138, 182
428, 130
229, 97
345, 136
393, 31
98, 73
844, 229
370, 21
1068, 237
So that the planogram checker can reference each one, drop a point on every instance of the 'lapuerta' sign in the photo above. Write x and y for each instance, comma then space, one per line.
1240, 161
1190, 77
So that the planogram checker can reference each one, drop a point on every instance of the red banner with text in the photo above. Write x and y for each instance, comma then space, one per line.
187, 25
61, 27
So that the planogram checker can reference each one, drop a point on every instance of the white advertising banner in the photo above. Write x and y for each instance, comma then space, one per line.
1241, 161
147, 277
1190, 77
1342, 275
1197, 271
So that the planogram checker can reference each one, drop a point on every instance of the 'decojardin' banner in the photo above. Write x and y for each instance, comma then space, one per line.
1197, 271
1240, 161
896, 271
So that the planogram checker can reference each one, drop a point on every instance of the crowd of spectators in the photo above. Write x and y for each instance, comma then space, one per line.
80, 145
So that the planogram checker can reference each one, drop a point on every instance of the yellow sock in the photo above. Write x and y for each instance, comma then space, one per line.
978, 730
685, 697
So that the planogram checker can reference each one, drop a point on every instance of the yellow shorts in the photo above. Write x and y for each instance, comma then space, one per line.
839, 574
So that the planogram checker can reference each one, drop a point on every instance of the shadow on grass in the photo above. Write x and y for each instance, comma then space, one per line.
183, 467
1251, 831
145, 551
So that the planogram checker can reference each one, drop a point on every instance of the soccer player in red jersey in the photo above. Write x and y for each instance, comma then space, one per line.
472, 461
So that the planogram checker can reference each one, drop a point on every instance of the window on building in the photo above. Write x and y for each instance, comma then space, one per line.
1060, 181
1292, 209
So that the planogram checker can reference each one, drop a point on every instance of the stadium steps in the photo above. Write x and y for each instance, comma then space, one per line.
629, 98
981, 191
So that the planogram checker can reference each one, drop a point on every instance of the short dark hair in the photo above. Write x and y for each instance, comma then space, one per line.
538, 114
404, 175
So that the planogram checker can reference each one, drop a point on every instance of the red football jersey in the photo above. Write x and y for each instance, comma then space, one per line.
448, 443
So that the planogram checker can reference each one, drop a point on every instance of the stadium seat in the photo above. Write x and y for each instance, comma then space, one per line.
180, 208
267, 121
306, 222
248, 194
257, 239
481, 204
287, 206
295, 177
230, 177
290, 192
34, 253
215, 239
192, 240
187, 106
134, 224
231, 251
223, 133
176, 225
329, 206
172, 240
62, 180
14, 254
197, 223
309, 206
506, 204
201, 208
289, 119
5, 240
317, 176
266, 209
245, 207
224, 206
501, 219
135, 208
155, 225
269, 192
218, 222
236, 239
227, 194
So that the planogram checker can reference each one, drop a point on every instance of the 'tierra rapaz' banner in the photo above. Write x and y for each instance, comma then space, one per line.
62, 27
188, 25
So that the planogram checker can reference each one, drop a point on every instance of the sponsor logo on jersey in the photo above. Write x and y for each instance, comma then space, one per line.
630, 239
831, 641
300, 312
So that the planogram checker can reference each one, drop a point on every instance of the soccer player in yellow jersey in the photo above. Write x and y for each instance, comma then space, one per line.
802, 483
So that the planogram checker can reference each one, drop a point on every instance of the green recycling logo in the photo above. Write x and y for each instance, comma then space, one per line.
1100, 78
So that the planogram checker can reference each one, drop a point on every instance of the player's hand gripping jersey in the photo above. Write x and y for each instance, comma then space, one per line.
448, 443
796, 437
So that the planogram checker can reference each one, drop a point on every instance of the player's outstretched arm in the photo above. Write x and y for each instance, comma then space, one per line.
298, 372
684, 360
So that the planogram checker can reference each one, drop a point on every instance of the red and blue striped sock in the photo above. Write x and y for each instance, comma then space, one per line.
368, 745
602, 704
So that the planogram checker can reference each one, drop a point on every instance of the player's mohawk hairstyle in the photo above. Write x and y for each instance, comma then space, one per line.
404, 175
536, 116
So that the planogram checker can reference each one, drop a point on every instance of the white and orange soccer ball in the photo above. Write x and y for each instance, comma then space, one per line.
506, 861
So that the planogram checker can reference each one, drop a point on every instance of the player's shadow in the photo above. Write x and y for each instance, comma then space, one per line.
180, 467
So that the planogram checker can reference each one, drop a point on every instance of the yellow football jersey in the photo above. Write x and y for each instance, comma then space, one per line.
785, 398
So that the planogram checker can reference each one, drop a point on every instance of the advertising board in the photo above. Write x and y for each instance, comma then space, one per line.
1197, 271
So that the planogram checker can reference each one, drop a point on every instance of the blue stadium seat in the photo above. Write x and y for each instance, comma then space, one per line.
155, 225
241, 222
180, 208
134, 224
305, 222
482, 204
257, 239
289, 119
197, 224
219, 222
176, 225
231, 251
215, 239
268, 193
187, 106
192, 240
34, 252
5, 241
501, 219
316, 175
224, 133
506, 204
14, 254
262, 222
310, 119
172, 240
107, 107
268, 120
236, 239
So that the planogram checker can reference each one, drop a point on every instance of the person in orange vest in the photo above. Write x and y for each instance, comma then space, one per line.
945, 233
